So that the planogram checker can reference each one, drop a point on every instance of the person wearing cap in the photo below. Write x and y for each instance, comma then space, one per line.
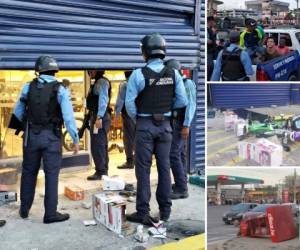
151, 93
127, 124
43, 106
252, 37
98, 105
211, 45
233, 63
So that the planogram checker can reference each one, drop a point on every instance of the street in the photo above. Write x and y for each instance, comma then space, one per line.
224, 237
222, 147
217, 231
31, 233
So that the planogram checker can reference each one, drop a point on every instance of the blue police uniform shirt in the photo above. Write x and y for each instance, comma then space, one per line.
245, 59
190, 88
63, 98
136, 84
101, 88
120, 102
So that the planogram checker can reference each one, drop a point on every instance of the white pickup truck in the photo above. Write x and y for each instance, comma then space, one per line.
285, 68
292, 37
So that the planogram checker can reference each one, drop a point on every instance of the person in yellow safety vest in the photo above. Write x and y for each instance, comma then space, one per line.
251, 38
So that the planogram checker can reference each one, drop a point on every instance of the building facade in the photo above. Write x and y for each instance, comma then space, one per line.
92, 34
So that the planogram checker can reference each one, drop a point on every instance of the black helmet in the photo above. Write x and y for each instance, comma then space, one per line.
174, 64
46, 63
250, 22
234, 36
153, 45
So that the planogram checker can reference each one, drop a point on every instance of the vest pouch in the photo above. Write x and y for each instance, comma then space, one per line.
157, 119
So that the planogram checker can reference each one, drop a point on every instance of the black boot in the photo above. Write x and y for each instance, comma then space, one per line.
2, 223
94, 177
146, 219
164, 216
23, 212
126, 165
58, 217
175, 195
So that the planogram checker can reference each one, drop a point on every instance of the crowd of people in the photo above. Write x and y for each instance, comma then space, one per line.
232, 59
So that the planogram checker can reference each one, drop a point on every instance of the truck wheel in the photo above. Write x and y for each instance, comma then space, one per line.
293, 78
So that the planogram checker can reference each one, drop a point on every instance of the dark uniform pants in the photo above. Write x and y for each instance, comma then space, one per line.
177, 158
151, 139
99, 145
43, 145
128, 136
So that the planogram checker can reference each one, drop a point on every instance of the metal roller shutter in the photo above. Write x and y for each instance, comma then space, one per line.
94, 34
197, 146
234, 96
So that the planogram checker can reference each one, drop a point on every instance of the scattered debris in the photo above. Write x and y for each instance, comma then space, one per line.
129, 187
89, 223
113, 183
131, 199
2, 223
7, 197
160, 232
109, 210
263, 151
127, 193
86, 204
128, 230
140, 236
139, 248
74, 192
186, 227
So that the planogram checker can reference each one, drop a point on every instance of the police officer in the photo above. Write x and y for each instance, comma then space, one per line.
128, 124
233, 63
150, 96
98, 101
43, 106
182, 119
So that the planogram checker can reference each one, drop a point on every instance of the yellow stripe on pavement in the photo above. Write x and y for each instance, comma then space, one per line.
214, 142
221, 150
192, 243
214, 132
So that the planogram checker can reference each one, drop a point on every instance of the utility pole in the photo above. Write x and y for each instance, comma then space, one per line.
295, 178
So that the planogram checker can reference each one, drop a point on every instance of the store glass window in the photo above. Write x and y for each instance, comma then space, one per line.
11, 84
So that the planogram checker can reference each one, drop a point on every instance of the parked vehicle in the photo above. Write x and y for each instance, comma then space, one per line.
295, 208
236, 212
257, 211
283, 68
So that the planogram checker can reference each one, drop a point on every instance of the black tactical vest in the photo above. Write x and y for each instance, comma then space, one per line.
156, 98
92, 100
232, 67
43, 109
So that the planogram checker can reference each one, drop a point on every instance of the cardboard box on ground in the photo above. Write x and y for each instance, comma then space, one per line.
262, 151
109, 210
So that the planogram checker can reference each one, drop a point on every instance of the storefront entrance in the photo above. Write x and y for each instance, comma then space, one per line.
11, 84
